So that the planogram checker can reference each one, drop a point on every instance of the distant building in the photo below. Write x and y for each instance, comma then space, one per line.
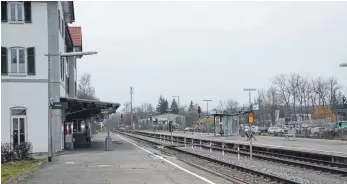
162, 118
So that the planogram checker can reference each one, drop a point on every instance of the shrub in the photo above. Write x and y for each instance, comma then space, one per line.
10, 152
6, 153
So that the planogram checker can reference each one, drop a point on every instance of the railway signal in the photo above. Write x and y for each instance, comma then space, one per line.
199, 111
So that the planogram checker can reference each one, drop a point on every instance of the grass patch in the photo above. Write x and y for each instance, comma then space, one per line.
11, 169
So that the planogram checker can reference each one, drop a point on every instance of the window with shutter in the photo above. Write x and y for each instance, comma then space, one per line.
15, 12
18, 65
3, 11
27, 11
31, 60
4, 61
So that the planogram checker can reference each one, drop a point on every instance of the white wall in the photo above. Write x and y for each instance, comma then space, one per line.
33, 97
33, 34
62, 46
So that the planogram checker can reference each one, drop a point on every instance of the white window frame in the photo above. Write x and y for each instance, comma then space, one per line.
25, 124
10, 61
9, 11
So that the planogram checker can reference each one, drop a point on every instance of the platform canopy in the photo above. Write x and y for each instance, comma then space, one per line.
216, 114
83, 109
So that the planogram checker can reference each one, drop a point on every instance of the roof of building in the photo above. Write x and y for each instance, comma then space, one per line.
76, 34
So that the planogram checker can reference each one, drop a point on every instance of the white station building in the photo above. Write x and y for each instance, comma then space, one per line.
29, 30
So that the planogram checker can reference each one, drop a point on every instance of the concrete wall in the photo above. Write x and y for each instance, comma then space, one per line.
30, 96
27, 91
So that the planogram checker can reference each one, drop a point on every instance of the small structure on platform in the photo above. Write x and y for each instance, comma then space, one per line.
228, 125
79, 114
163, 119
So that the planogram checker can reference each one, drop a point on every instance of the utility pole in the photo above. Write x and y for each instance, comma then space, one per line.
207, 114
131, 107
50, 116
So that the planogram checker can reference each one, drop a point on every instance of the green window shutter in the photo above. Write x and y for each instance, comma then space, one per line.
4, 61
3, 11
27, 11
31, 60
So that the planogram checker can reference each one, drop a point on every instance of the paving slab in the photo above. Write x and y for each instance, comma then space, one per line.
125, 164
330, 147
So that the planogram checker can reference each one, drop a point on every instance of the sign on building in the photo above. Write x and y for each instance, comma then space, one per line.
255, 107
59, 105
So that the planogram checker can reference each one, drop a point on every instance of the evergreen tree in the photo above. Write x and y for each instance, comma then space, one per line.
162, 105
191, 106
174, 107
166, 105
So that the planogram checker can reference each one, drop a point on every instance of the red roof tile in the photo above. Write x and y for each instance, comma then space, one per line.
76, 34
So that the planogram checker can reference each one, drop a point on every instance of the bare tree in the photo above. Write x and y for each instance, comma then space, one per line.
229, 106
293, 86
264, 105
297, 94
273, 101
302, 92
221, 106
333, 88
321, 89
85, 89
281, 83
126, 107
232, 106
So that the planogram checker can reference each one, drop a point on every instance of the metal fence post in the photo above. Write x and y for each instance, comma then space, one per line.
223, 149
210, 146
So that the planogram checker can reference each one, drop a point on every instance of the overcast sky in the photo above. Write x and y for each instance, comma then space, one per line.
207, 50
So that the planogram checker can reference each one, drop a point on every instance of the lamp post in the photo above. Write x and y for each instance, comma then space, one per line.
250, 102
170, 128
178, 100
50, 100
250, 128
131, 108
207, 114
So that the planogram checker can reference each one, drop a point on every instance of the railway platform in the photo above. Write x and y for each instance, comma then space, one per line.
128, 162
320, 146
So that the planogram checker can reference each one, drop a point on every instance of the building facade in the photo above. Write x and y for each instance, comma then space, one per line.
29, 30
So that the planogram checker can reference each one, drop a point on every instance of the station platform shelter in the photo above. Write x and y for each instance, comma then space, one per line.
79, 115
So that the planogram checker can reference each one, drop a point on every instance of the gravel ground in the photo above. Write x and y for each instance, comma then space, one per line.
234, 173
301, 175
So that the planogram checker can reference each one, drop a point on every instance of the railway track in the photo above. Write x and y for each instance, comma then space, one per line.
234, 173
323, 166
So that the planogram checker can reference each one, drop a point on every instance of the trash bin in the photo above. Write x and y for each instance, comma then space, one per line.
108, 143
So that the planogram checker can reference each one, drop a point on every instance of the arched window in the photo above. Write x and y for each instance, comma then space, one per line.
19, 125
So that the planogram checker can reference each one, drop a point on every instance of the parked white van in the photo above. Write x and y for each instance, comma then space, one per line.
275, 130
